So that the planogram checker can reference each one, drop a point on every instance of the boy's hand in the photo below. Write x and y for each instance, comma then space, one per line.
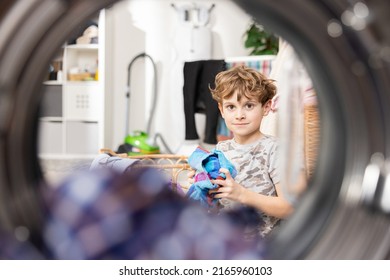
191, 177
228, 188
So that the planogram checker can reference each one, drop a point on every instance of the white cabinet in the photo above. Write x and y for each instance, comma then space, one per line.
72, 114
51, 137
51, 123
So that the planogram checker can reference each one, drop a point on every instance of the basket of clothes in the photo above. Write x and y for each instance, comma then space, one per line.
175, 167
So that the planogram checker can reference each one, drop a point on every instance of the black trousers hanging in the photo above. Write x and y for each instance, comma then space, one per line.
198, 76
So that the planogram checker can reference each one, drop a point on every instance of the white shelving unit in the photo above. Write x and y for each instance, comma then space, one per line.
72, 123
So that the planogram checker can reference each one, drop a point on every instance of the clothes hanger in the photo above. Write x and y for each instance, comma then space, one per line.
195, 14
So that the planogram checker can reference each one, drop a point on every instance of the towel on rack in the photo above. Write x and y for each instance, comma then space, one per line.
207, 165
113, 162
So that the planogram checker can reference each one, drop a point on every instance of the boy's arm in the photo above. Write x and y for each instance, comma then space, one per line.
276, 206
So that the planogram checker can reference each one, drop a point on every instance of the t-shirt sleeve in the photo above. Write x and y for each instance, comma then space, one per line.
274, 163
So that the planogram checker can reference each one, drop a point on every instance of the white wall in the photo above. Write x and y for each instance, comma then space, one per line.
136, 26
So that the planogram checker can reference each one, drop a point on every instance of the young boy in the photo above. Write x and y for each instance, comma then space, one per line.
244, 97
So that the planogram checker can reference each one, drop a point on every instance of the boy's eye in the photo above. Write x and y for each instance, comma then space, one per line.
250, 105
229, 107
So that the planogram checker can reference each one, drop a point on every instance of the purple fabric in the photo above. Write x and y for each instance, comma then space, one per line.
106, 215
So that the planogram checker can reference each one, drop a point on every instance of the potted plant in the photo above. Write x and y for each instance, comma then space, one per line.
260, 41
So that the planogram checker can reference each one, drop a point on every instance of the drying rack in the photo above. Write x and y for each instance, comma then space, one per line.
175, 166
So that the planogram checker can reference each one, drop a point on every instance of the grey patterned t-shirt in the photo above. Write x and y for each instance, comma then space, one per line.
257, 170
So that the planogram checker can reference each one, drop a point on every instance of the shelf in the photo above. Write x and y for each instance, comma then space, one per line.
71, 120
82, 83
83, 46
53, 83
83, 120
51, 119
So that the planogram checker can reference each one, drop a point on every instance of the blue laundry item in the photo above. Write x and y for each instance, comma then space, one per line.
207, 165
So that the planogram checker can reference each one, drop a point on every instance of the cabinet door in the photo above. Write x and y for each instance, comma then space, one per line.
50, 138
83, 101
82, 137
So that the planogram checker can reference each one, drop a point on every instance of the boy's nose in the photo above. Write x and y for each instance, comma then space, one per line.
240, 114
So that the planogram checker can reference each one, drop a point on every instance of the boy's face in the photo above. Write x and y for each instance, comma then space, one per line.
243, 118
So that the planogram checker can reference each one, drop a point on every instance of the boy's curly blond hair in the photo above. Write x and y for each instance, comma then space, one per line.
244, 81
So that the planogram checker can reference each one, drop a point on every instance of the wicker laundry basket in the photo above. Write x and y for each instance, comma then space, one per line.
312, 137
175, 166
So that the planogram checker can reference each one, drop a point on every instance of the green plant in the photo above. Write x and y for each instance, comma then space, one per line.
260, 41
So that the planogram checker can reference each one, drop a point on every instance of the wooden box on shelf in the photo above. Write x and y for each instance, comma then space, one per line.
80, 77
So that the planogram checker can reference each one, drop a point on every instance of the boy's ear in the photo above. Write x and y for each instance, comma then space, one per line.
220, 109
267, 107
